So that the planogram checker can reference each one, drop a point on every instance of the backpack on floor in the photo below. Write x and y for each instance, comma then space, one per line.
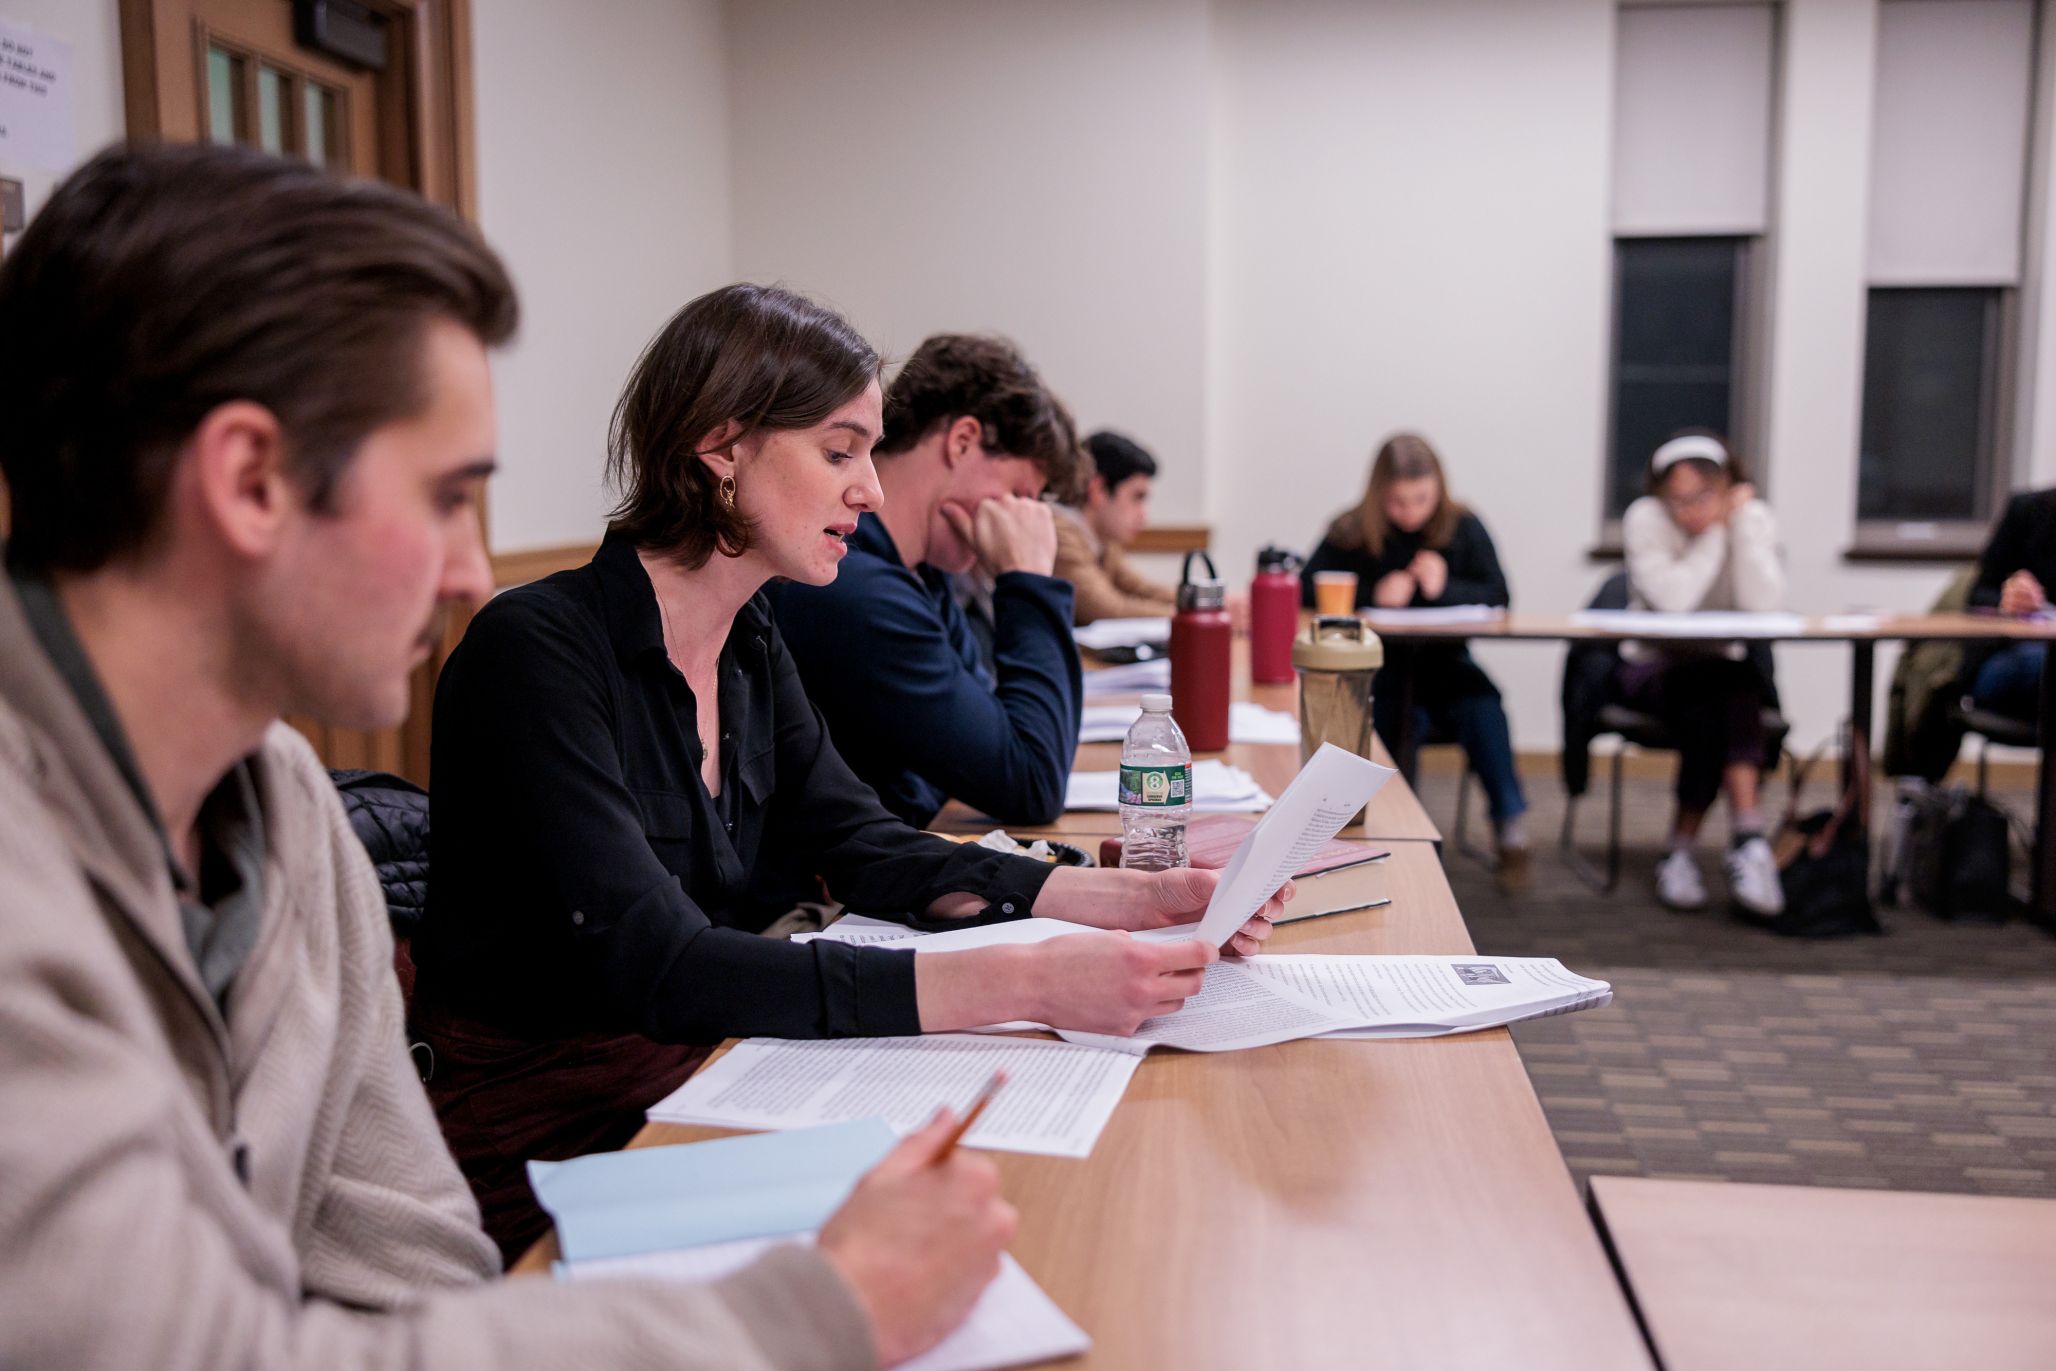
1824, 861
1957, 859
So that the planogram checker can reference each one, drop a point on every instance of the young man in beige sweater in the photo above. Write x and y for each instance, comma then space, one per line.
250, 417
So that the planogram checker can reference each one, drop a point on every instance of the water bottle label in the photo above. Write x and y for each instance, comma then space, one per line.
1157, 786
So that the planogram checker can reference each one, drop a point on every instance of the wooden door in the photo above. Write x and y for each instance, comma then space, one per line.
234, 71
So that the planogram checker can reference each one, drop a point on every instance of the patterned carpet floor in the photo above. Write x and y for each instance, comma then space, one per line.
1924, 1059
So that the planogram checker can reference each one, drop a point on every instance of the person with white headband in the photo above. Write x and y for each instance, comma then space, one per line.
1701, 540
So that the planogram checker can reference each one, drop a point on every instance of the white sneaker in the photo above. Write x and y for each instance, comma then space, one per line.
1753, 878
1678, 882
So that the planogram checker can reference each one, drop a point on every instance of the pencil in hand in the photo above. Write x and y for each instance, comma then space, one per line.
949, 1144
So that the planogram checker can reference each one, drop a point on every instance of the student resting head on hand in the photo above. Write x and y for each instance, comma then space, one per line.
632, 788
1700, 539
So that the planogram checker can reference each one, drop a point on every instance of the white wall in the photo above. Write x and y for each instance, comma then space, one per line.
603, 180
1414, 235
1393, 214
93, 29
1037, 170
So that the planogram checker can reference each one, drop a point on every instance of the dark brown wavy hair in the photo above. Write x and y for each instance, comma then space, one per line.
762, 356
952, 375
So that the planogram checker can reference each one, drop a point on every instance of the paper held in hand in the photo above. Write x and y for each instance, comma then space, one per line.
1328, 791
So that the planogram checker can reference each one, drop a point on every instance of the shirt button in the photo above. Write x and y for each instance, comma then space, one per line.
578, 917
1007, 908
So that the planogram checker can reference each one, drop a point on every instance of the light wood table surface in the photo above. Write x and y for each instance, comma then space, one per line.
1322, 1204
1773, 1276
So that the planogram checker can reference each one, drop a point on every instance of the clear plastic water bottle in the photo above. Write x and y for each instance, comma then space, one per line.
1156, 789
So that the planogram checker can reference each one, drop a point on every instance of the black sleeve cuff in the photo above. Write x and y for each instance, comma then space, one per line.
877, 998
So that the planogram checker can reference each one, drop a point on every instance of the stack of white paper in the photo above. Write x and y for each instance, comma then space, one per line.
1058, 1096
1247, 723
1131, 679
1432, 615
1014, 1323
1103, 634
1217, 789
862, 930
1425, 997
1252, 723
1705, 625
1136, 678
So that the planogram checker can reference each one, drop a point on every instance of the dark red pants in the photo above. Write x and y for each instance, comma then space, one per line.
503, 1099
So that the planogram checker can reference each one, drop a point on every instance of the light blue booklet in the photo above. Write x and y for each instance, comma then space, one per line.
655, 1199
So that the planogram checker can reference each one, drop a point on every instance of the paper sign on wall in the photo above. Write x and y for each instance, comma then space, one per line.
35, 100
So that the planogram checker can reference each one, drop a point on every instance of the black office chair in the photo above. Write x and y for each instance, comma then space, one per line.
1990, 727
1591, 712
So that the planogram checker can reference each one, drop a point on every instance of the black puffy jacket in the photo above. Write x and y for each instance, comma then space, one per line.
390, 817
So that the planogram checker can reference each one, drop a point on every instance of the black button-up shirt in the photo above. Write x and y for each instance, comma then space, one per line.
581, 877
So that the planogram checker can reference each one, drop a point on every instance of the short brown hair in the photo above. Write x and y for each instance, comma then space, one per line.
952, 375
762, 356
1402, 457
162, 281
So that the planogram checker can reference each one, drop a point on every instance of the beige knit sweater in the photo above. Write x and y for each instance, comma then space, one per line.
127, 1238
1732, 565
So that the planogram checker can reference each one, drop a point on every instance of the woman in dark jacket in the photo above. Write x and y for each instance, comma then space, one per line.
631, 786
1412, 546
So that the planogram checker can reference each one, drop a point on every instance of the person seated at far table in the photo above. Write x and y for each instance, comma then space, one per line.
1093, 537
1701, 540
2014, 573
630, 781
1411, 544
250, 417
973, 439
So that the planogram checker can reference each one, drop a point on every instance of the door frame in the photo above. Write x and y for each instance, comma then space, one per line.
425, 117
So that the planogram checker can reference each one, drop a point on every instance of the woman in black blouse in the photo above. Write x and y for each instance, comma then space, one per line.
1411, 545
630, 785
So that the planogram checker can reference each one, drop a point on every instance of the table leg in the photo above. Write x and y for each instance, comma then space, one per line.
1862, 683
1399, 668
1863, 653
2044, 878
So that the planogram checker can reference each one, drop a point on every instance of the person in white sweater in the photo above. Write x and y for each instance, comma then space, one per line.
1701, 540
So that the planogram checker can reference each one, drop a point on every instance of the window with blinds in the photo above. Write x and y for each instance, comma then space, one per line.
1949, 150
1691, 204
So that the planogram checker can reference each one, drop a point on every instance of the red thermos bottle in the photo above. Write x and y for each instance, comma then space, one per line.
1201, 648
1273, 616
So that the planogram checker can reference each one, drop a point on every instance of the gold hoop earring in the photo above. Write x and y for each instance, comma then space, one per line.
728, 491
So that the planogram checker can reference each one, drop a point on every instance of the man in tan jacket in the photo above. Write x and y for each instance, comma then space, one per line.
1092, 537
249, 419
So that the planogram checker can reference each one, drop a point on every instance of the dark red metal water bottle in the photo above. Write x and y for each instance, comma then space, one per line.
1273, 616
1202, 646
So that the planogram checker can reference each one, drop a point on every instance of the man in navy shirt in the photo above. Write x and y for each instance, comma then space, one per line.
972, 441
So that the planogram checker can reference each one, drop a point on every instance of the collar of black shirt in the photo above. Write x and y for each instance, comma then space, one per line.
635, 626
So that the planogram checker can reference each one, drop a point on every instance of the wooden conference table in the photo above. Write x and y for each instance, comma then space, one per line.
1862, 633
1760, 1276
1320, 1204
